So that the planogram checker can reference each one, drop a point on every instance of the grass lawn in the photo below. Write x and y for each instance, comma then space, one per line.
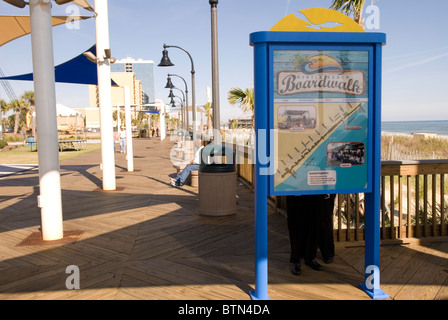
24, 155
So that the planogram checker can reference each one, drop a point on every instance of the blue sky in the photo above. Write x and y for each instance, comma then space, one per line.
415, 58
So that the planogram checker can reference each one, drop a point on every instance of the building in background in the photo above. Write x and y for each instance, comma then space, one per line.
144, 72
122, 79
138, 75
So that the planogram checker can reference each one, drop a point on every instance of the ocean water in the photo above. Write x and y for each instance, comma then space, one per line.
440, 127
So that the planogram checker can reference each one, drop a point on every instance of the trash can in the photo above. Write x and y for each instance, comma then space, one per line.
143, 133
217, 181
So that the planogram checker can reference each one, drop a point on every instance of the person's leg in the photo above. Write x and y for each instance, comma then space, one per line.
183, 175
297, 231
293, 218
311, 207
326, 239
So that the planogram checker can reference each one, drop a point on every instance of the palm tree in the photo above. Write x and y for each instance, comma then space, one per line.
233, 123
17, 106
28, 98
242, 98
155, 121
209, 115
3, 106
348, 7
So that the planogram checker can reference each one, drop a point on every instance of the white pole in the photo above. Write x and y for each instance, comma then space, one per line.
129, 148
105, 95
118, 118
50, 199
162, 120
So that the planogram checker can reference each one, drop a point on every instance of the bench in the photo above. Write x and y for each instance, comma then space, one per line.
193, 179
71, 145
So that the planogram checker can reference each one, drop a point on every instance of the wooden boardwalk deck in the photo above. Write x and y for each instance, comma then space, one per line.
147, 241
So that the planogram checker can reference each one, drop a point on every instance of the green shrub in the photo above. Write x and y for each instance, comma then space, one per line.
3, 144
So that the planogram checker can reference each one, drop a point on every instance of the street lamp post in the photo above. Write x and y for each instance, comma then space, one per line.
215, 69
171, 95
182, 107
129, 145
166, 62
170, 85
185, 111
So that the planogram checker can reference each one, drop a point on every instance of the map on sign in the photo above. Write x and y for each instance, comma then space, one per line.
320, 119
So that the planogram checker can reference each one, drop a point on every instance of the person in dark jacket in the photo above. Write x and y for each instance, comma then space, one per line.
310, 226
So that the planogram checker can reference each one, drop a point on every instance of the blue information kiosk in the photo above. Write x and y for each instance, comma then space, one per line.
317, 122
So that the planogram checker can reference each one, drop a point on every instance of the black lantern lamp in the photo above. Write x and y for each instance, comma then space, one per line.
169, 84
165, 62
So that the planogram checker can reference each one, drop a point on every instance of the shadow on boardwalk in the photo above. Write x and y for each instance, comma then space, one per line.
147, 241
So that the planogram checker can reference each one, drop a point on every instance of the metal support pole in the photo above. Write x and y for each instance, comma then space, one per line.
129, 147
194, 107
186, 96
371, 283
162, 120
50, 199
215, 69
105, 95
261, 180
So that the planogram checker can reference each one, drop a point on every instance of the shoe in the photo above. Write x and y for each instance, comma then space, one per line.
296, 268
174, 182
327, 260
313, 264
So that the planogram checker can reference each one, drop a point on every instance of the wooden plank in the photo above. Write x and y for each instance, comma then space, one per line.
417, 206
425, 206
434, 204
392, 206
413, 167
426, 282
442, 205
408, 208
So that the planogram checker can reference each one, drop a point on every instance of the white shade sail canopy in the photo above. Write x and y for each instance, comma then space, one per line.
65, 111
84, 3
13, 27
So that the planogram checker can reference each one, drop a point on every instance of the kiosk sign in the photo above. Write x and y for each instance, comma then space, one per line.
320, 119
318, 94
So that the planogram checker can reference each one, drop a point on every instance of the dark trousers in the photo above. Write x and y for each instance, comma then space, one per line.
310, 226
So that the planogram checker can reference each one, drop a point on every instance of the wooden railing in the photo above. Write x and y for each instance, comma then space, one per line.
414, 199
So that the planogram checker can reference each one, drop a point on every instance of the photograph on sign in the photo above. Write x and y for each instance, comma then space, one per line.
320, 117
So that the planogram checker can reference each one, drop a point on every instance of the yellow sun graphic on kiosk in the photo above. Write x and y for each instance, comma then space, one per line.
318, 20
